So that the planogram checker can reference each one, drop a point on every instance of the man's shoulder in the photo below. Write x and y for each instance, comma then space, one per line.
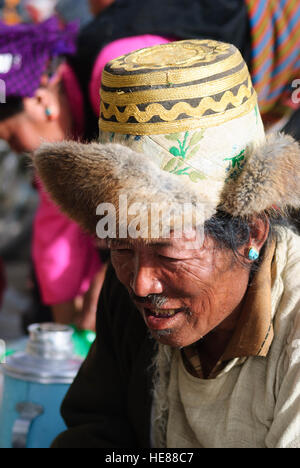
288, 257
286, 286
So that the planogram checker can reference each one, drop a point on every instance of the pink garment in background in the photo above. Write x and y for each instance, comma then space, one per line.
116, 49
65, 258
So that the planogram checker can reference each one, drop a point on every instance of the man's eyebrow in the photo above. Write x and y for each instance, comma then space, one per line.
161, 244
119, 243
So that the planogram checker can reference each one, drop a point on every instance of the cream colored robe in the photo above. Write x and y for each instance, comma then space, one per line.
253, 402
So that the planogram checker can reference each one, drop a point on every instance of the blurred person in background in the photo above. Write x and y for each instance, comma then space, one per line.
11, 11
40, 10
68, 10
37, 11
10, 16
65, 259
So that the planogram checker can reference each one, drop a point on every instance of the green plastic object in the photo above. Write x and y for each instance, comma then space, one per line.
13, 347
9, 352
82, 341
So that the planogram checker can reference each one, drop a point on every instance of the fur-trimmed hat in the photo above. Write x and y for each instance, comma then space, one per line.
179, 125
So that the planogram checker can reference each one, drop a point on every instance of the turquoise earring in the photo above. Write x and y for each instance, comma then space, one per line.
253, 254
48, 113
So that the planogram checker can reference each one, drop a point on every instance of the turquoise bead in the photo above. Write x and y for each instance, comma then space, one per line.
253, 254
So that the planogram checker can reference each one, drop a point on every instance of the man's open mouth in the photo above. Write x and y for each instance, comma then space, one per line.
163, 313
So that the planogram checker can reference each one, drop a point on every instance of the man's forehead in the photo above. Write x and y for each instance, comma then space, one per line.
139, 243
187, 241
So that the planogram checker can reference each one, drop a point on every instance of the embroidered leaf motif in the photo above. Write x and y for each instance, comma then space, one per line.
179, 164
192, 153
183, 152
235, 166
256, 113
197, 137
175, 151
195, 176
170, 165
236, 160
173, 136
182, 171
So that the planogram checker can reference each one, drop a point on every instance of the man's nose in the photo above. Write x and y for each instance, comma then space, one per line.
145, 278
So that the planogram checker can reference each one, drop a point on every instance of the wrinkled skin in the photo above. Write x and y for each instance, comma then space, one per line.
206, 284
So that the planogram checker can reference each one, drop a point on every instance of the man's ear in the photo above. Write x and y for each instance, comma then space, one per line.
259, 231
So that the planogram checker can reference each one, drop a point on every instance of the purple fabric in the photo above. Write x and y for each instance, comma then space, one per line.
25, 51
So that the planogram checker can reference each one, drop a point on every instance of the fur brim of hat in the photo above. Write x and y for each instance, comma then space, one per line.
270, 179
81, 176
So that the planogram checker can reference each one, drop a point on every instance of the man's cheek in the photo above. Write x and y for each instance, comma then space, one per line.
194, 280
122, 269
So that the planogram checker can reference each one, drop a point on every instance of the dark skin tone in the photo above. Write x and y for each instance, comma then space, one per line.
202, 288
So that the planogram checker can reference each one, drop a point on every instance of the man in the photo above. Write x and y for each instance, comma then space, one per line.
198, 323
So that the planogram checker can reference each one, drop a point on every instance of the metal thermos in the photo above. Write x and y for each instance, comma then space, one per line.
35, 383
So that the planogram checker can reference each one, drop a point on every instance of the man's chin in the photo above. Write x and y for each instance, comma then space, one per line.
172, 338
167, 337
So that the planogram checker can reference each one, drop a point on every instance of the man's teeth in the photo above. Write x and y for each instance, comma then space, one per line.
164, 312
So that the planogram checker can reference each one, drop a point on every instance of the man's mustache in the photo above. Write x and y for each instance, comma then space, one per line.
157, 300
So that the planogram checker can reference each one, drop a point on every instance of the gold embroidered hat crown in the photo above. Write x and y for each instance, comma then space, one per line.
166, 89
179, 124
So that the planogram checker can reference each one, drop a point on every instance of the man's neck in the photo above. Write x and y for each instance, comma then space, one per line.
212, 346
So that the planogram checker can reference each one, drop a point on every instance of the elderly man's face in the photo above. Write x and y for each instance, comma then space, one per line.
182, 291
